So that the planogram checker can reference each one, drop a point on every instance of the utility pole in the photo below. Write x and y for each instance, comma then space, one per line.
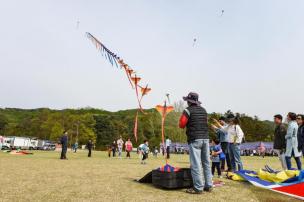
77, 130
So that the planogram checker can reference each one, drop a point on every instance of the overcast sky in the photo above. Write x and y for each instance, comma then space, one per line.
249, 60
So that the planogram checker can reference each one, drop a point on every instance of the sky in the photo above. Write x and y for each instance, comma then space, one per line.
249, 60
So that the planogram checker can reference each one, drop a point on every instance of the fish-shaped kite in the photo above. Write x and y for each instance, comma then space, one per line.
164, 111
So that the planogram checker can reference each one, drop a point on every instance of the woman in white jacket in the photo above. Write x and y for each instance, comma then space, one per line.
235, 136
292, 141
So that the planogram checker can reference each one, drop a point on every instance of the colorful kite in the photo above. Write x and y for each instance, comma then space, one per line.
194, 42
130, 73
293, 186
164, 111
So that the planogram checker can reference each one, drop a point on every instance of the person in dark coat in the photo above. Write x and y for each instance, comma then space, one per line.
89, 147
64, 145
300, 121
113, 146
279, 144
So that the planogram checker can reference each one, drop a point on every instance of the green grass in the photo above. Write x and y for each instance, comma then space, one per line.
43, 177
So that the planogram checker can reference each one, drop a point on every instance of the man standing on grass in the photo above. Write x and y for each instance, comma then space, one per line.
168, 144
64, 145
89, 147
194, 118
279, 144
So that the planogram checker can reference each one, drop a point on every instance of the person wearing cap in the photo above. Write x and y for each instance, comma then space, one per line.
222, 136
194, 118
279, 142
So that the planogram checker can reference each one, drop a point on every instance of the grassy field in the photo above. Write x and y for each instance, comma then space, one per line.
43, 177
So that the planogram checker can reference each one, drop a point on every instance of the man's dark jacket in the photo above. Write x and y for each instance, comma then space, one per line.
89, 145
279, 137
64, 141
301, 138
197, 126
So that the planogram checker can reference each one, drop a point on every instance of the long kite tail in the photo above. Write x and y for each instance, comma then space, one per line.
109, 55
163, 130
136, 126
139, 100
129, 78
134, 81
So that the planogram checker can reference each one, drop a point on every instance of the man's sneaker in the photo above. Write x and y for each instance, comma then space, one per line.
193, 191
208, 189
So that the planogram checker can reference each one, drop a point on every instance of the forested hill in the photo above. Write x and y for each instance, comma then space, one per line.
104, 126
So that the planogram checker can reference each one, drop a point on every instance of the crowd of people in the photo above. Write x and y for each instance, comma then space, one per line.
289, 142
118, 146
226, 148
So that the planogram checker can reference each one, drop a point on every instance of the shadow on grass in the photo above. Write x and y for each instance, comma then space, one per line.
151, 186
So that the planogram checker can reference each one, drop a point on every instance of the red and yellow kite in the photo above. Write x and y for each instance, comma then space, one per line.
130, 73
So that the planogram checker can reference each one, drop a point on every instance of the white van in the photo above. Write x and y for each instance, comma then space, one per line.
34, 144
20, 143
6, 143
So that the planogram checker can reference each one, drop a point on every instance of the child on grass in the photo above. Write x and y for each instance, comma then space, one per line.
143, 150
216, 156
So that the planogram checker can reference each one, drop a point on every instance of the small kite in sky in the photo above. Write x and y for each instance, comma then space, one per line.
168, 97
77, 25
194, 42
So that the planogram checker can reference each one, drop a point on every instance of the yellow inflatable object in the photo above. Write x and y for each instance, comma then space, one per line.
277, 177
292, 173
235, 177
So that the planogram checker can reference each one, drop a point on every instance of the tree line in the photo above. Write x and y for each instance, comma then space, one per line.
103, 127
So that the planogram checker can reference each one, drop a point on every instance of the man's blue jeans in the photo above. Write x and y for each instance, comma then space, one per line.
200, 158
235, 156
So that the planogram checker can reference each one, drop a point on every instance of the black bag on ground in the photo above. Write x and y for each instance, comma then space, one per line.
173, 180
